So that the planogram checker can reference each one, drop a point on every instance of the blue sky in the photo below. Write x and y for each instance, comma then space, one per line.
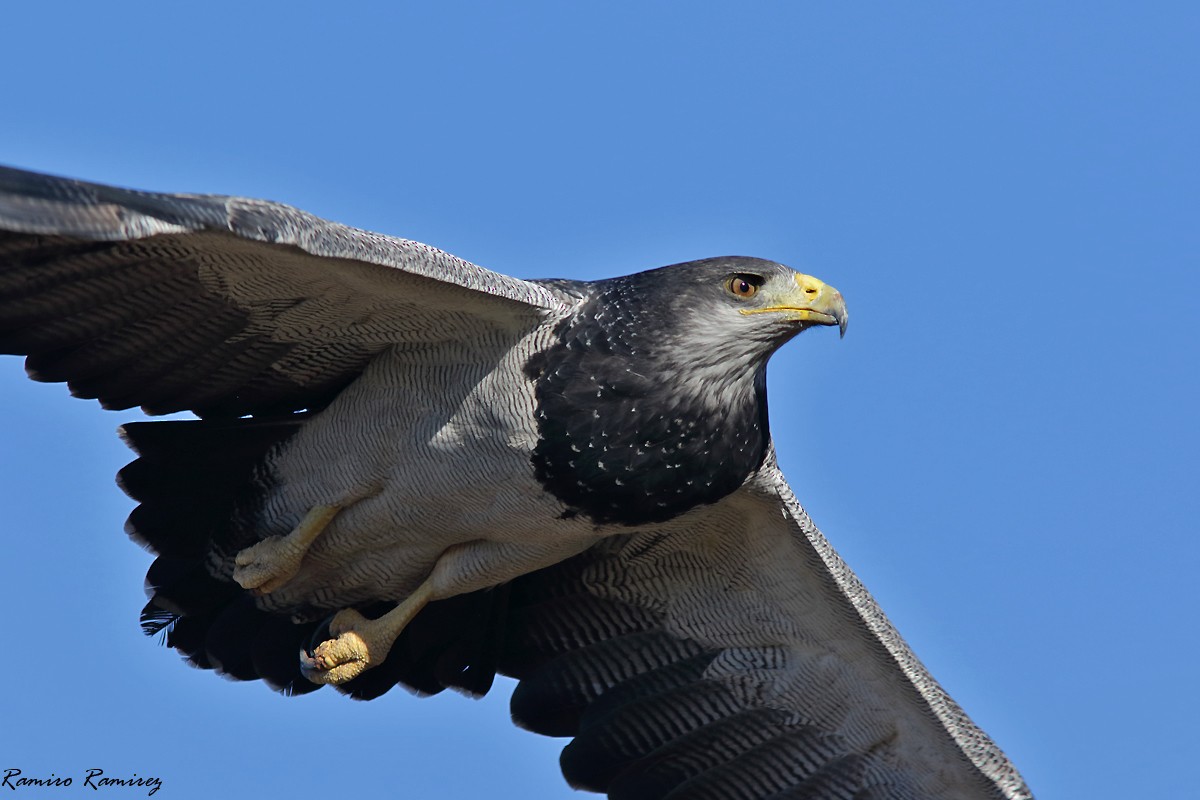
1003, 446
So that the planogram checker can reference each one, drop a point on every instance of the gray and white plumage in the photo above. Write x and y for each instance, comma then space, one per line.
697, 641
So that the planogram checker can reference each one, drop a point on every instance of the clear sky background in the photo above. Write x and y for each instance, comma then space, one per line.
1004, 446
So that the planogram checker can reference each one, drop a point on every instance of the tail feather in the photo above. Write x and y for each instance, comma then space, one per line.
186, 635
275, 653
192, 476
230, 637
199, 484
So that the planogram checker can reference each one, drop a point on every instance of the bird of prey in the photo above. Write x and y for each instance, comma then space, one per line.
407, 469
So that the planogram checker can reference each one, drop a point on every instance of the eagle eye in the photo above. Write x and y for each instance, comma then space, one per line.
742, 285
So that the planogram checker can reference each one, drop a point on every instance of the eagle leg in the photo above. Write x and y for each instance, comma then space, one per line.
361, 643
268, 565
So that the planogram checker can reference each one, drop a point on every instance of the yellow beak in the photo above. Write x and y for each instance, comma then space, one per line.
812, 301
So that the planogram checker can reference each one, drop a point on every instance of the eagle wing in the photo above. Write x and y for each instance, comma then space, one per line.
738, 657
226, 306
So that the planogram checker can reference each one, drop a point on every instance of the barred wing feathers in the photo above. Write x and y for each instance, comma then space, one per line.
223, 305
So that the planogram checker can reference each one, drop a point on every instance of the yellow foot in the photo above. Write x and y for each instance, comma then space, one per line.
274, 561
360, 643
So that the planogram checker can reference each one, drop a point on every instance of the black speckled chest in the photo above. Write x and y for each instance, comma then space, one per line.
631, 430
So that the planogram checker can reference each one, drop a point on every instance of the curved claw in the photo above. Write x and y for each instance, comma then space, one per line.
320, 633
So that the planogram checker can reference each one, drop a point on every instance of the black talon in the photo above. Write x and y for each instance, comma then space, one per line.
319, 634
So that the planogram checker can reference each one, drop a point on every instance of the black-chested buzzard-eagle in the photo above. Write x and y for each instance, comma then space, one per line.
409, 469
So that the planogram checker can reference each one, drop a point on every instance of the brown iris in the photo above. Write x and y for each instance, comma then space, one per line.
743, 286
